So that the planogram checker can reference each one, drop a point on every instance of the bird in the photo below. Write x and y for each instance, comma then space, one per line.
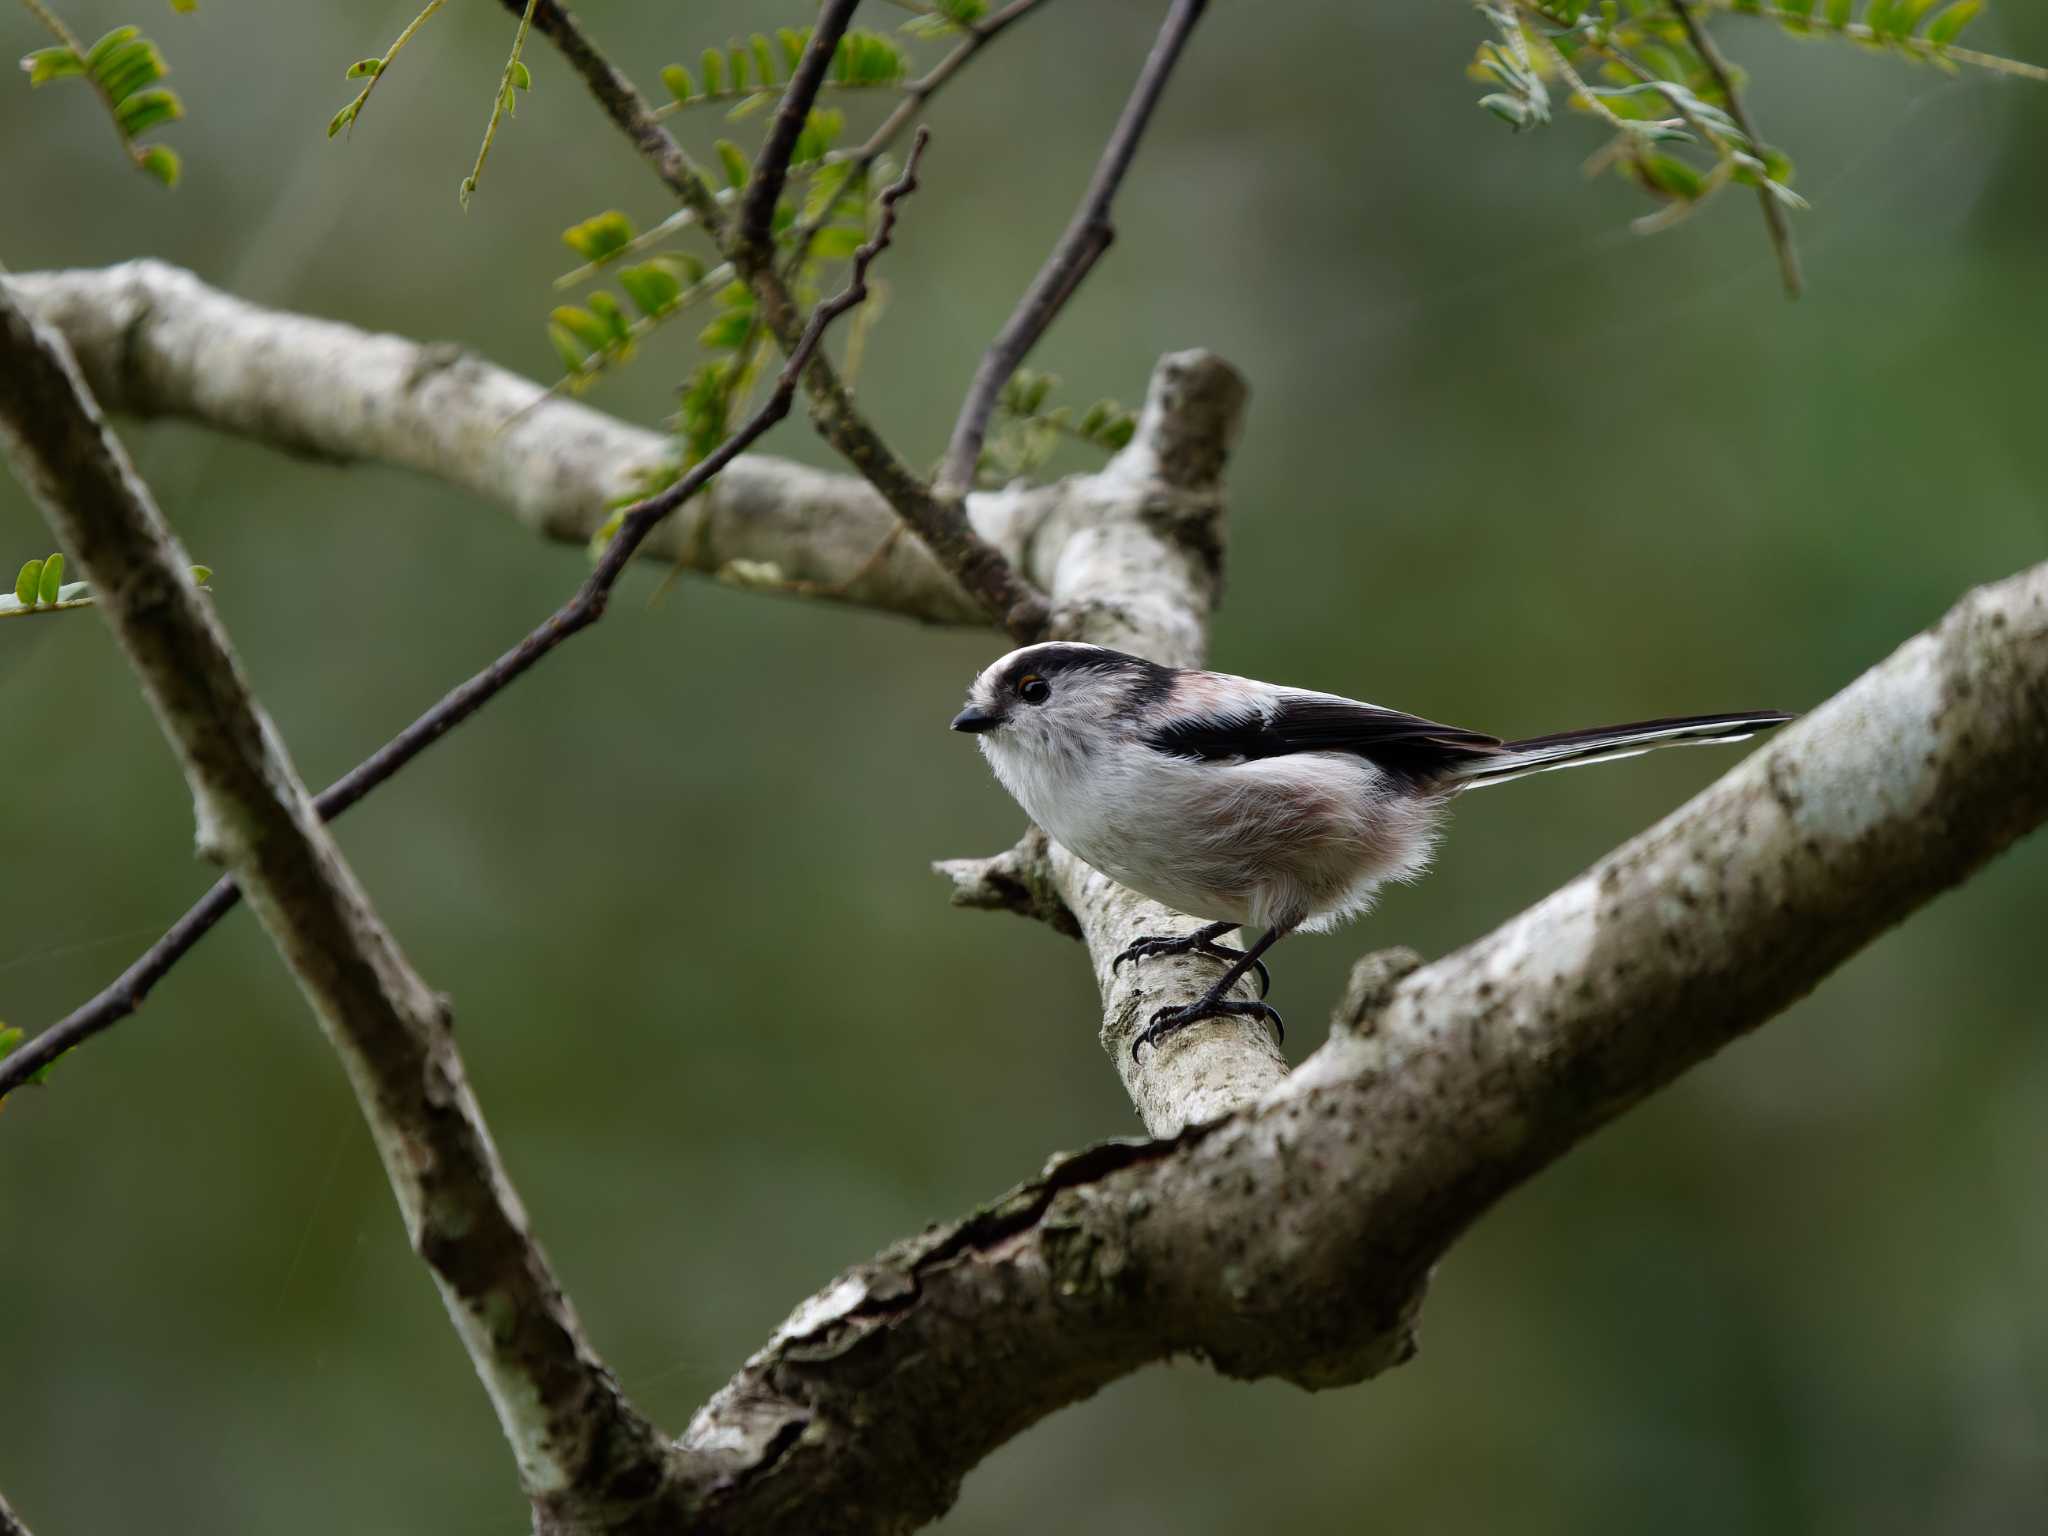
1248, 804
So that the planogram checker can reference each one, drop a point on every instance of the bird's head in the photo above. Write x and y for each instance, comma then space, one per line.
1058, 700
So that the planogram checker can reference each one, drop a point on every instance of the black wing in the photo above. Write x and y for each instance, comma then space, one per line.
1416, 749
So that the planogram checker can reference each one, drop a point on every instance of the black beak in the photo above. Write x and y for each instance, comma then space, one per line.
976, 719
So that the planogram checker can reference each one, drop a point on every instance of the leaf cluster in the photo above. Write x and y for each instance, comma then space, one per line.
827, 225
1028, 431
126, 70
1649, 71
751, 71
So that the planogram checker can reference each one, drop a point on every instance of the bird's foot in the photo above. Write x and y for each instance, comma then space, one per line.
1201, 942
1168, 1021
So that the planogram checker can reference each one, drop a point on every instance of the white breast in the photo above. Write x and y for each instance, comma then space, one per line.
1306, 837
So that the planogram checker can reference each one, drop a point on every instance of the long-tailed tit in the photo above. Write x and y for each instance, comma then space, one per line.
1244, 803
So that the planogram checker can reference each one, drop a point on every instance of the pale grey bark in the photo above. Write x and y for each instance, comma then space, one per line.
154, 341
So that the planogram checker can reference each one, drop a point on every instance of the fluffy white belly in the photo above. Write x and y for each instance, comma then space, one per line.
1299, 839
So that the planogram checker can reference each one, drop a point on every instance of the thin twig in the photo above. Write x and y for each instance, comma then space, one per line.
346, 117
1086, 238
508, 92
582, 610
1775, 222
771, 166
922, 89
626, 108
919, 91
1911, 47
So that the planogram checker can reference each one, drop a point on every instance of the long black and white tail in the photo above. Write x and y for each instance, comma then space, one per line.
1606, 744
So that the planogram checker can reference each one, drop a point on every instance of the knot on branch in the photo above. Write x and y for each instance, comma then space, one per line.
1018, 880
1371, 988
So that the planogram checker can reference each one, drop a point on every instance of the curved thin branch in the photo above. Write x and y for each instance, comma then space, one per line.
1085, 239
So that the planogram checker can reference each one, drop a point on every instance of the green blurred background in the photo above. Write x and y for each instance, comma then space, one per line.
1505, 464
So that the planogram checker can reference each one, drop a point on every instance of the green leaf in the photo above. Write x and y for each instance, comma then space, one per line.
821, 131
1838, 13
836, 242
583, 325
824, 188
764, 58
28, 584
344, 117
52, 579
572, 355
728, 330
522, 77
47, 64
202, 574
566, 349
365, 69
737, 52
617, 326
97, 53
735, 162
128, 68
679, 83
714, 72
146, 110
10, 1041
1947, 26
601, 236
1669, 175
653, 286
793, 40
869, 58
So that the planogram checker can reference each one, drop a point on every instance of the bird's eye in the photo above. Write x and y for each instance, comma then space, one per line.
1033, 689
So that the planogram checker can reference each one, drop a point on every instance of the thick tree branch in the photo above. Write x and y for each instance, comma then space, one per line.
10, 1522
573, 1434
1293, 1238
154, 341
1086, 238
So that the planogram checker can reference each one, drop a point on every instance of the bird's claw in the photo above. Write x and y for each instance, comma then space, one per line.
1190, 944
1168, 1021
